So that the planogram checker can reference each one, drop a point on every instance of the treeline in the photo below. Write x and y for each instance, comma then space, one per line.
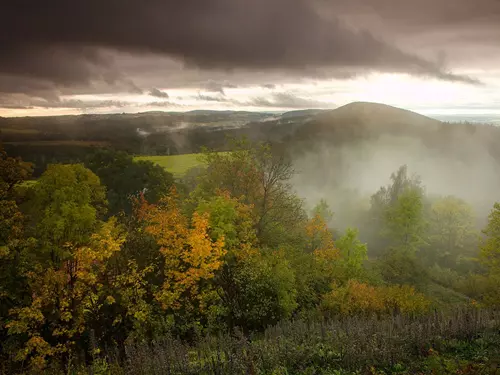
113, 252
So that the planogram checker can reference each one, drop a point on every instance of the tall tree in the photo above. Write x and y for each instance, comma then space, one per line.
13, 171
405, 226
65, 298
190, 256
490, 257
490, 247
397, 214
452, 232
257, 176
13, 284
67, 277
256, 286
68, 203
125, 178
353, 253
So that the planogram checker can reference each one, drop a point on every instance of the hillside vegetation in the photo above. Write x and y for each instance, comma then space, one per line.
352, 251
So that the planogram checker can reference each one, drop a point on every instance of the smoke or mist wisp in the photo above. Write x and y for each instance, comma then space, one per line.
350, 174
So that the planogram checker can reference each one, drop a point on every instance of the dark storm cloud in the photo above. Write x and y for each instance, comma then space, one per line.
420, 15
158, 93
218, 87
61, 44
465, 31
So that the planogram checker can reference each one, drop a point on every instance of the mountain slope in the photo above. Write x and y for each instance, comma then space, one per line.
363, 119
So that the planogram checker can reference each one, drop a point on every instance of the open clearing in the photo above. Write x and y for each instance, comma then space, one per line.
178, 165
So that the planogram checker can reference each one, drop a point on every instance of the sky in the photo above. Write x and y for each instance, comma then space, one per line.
437, 57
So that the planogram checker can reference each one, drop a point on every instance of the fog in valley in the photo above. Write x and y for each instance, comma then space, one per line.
348, 175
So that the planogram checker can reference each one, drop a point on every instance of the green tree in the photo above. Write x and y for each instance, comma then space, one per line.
256, 287
405, 226
68, 202
13, 171
388, 195
490, 246
69, 277
490, 256
323, 210
65, 299
13, 284
399, 267
260, 178
396, 215
452, 231
263, 290
125, 178
353, 253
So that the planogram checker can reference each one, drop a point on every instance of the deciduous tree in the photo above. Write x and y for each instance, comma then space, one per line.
259, 178
190, 256
125, 178
452, 232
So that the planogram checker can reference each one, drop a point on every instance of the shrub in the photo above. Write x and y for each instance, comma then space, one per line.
361, 298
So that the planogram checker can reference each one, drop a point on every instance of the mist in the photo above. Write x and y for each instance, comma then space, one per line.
349, 174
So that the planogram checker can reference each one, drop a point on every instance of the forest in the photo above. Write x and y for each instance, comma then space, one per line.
112, 266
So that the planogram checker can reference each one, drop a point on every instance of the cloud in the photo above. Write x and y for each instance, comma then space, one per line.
163, 104
409, 16
158, 93
212, 86
288, 100
269, 86
15, 106
25, 102
220, 97
72, 45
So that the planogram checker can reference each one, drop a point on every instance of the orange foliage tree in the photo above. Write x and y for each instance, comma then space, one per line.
320, 243
190, 256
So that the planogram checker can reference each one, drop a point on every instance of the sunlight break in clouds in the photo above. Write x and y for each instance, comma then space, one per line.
425, 95
270, 55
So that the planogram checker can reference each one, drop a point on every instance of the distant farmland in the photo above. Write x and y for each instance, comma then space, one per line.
178, 165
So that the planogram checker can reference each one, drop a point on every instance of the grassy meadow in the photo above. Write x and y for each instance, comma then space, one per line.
178, 165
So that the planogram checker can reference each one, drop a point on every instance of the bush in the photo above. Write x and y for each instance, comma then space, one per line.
361, 298
263, 290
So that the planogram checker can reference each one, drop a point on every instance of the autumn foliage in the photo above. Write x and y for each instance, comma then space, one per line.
86, 266
362, 298
190, 255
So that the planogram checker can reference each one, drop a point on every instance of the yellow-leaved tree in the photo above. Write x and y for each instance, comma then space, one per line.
320, 243
65, 297
68, 264
190, 256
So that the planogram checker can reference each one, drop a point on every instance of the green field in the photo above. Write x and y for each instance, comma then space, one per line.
178, 165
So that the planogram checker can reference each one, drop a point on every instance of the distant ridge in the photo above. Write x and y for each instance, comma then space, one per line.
369, 113
365, 119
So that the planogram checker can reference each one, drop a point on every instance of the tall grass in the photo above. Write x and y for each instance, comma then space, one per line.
296, 347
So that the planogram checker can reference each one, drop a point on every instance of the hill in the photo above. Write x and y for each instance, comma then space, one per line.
362, 119
67, 138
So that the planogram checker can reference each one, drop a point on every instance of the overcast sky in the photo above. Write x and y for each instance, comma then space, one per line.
101, 56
